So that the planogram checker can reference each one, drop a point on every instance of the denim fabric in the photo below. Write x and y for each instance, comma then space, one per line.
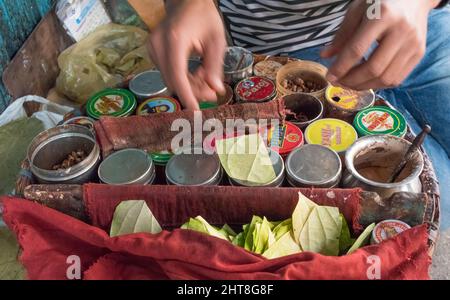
424, 97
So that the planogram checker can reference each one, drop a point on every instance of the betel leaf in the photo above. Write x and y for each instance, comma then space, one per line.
263, 237
134, 217
10, 267
363, 239
228, 230
345, 240
249, 233
282, 228
239, 240
301, 215
285, 246
201, 225
321, 232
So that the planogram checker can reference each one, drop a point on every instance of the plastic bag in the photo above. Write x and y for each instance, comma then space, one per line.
106, 58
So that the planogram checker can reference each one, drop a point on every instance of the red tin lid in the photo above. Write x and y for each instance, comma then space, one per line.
286, 138
255, 89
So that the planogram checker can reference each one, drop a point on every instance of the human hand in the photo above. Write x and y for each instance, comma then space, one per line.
401, 35
191, 27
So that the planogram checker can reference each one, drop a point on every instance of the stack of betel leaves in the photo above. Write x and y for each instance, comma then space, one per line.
312, 228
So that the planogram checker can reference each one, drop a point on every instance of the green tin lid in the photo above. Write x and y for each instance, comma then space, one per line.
161, 158
380, 120
208, 105
111, 102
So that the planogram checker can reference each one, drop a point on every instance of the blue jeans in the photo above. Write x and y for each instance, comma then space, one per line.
423, 98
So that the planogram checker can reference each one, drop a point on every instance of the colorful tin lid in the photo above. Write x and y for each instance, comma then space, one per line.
284, 139
380, 120
161, 158
333, 133
255, 89
111, 102
158, 105
350, 100
387, 230
148, 84
267, 68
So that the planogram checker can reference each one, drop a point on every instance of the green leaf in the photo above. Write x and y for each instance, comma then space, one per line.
282, 228
228, 230
301, 215
239, 240
285, 246
201, 225
363, 239
345, 240
322, 230
263, 237
249, 233
10, 267
134, 217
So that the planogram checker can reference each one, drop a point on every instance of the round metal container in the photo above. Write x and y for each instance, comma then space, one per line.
311, 108
82, 121
344, 104
380, 120
255, 89
194, 170
284, 139
314, 166
127, 167
388, 229
278, 165
148, 84
233, 72
380, 154
158, 105
54, 145
111, 103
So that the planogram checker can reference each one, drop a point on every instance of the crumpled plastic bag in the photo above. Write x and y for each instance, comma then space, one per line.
104, 59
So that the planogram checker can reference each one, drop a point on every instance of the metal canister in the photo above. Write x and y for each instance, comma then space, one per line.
112, 103
238, 64
194, 169
285, 139
82, 121
279, 168
388, 229
267, 68
255, 89
333, 133
314, 166
158, 105
380, 120
147, 85
127, 167
344, 104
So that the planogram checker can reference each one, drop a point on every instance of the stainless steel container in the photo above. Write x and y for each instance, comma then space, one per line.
233, 57
377, 156
53, 146
311, 107
314, 166
148, 84
278, 165
194, 170
127, 167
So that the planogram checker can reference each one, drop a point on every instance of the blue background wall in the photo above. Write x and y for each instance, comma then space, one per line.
17, 20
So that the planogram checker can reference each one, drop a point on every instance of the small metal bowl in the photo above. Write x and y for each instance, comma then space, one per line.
53, 146
308, 104
127, 167
279, 167
233, 57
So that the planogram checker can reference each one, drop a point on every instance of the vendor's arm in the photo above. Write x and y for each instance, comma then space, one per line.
401, 35
191, 26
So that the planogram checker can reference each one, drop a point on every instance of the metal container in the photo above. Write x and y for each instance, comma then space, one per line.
314, 166
285, 139
194, 169
372, 160
267, 68
311, 108
388, 229
380, 120
278, 165
147, 85
127, 167
82, 121
233, 58
255, 89
54, 145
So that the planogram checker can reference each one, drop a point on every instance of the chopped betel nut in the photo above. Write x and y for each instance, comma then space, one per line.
72, 159
298, 85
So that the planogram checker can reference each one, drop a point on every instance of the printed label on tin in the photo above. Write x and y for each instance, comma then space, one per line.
255, 89
109, 104
158, 106
378, 121
350, 99
388, 230
335, 134
285, 138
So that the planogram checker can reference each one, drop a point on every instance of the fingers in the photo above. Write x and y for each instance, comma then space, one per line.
214, 52
383, 57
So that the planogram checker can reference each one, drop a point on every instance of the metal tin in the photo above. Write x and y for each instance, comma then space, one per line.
161, 158
267, 68
279, 168
255, 89
147, 85
82, 121
311, 107
194, 170
233, 57
388, 229
284, 139
333, 133
314, 166
127, 167
54, 145
380, 120
111, 102
344, 104
158, 105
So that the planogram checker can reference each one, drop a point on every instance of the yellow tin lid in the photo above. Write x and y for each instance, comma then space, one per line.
349, 100
333, 133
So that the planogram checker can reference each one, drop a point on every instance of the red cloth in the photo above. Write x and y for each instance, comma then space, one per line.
48, 238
